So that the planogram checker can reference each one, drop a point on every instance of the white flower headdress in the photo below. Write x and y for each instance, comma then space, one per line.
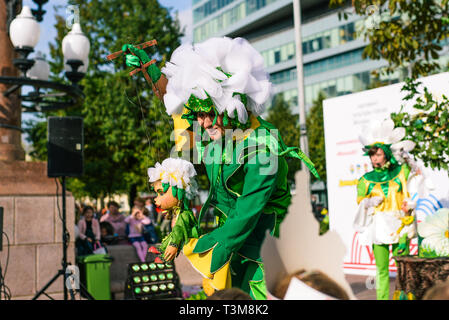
177, 173
229, 73
389, 138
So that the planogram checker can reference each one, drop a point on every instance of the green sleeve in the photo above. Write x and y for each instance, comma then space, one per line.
361, 189
140, 56
184, 229
257, 189
407, 170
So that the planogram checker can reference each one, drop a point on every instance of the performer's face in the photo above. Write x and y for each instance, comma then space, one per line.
206, 120
378, 159
164, 200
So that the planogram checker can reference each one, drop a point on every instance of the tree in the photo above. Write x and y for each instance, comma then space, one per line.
126, 128
281, 117
403, 32
428, 126
315, 135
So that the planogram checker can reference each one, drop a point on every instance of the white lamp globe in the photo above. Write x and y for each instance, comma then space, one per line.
24, 30
40, 69
75, 45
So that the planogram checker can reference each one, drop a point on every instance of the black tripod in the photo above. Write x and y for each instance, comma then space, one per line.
65, 272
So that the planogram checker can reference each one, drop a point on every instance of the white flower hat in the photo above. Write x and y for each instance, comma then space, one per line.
226, 73
178, 174
435, 232
384, 135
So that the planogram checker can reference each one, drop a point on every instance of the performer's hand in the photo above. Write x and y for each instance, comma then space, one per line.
133, 60
170, 253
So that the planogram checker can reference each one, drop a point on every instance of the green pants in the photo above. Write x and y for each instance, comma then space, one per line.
382, 257
249, 276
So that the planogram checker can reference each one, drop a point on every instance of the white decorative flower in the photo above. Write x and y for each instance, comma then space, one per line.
385, 132
176, 172
193, 69
435, 233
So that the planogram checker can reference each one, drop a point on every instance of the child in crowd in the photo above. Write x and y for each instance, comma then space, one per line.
107, 233
136, 222
89, 232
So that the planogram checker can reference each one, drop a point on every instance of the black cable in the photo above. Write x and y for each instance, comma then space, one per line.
57, 198
59, 210
4, 289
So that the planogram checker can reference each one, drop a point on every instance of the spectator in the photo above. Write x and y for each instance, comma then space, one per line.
317, 281
117, 220
107, 233
149, 230
152, 209
136, 222
165, 223
140, 203
229, 294
439, 291
89, 232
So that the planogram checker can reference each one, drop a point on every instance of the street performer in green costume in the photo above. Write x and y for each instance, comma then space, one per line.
385, 213
218, 90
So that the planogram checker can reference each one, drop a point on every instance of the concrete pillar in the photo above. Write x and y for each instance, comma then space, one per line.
34, 228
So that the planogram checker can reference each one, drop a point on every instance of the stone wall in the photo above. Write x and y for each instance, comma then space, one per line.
34, 228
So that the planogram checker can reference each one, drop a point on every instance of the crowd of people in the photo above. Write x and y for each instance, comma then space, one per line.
145, 224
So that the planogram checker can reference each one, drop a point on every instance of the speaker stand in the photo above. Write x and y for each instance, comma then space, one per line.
62, 272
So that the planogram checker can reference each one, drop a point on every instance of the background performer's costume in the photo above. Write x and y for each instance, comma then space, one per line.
380, 194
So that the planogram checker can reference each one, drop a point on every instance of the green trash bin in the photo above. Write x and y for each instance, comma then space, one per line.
95, 275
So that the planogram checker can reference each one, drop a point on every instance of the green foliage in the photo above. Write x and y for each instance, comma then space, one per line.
403, 32
281, 117
315, 135
126, 129
427, 253
427, 126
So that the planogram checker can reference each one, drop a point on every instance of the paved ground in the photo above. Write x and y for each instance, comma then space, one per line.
362, 286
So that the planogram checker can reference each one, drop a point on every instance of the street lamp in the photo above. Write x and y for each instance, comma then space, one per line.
75, 48
40, 69
24, 34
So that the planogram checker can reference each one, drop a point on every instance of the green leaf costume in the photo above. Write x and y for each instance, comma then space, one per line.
248, 175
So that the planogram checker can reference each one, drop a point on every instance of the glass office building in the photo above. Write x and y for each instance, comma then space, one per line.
332, 52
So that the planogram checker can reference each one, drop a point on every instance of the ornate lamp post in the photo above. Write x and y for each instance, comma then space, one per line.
47, 95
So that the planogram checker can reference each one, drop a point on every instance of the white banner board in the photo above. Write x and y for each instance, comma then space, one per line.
345, 118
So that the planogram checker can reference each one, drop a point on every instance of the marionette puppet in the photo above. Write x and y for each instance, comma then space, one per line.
217, 90
385, 213
175, 185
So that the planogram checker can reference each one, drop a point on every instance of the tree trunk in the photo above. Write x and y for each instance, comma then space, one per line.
132, 195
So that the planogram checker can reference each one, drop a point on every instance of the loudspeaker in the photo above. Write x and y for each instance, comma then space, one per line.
65, 146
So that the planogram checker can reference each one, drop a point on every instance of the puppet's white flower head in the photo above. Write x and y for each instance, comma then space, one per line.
384, 133
218, 68
177, 173
435, 232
